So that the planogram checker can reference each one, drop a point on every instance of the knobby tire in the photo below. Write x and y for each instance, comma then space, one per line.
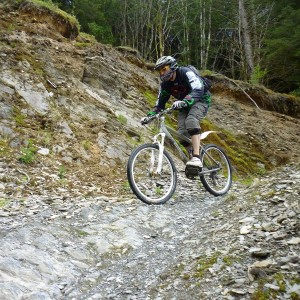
218, 182
149, 187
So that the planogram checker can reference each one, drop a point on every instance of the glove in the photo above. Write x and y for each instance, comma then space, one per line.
179, 104
155, 111
144, 120
189, 101
151, 113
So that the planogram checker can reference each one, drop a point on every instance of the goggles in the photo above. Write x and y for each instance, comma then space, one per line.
163, 70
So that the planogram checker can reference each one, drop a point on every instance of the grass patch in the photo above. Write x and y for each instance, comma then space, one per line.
231, 197
282, 280
81, 232
207, 262
86, 38
3, 202
48, 4
150, 97
204, 264
36, 65
62, 172
122, 119
82, 44
46, 138
126, 187
5, 150
28, 153
247, 181
87, 145
19, 118
246, 156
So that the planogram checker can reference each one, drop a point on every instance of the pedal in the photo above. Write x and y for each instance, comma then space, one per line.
192, 172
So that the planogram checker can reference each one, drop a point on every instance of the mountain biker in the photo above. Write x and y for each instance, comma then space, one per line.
192, 101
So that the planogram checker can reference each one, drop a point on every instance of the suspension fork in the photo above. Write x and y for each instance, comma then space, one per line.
159, 140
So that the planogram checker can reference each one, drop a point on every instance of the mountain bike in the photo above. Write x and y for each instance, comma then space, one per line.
151, 170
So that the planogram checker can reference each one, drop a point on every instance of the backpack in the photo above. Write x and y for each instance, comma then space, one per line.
207, 83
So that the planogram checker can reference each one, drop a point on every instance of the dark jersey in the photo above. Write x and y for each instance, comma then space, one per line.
186, 83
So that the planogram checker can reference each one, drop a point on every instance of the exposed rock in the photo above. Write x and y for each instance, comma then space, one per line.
71, 229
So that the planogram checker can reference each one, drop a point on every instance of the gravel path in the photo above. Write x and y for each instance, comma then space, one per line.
193, 246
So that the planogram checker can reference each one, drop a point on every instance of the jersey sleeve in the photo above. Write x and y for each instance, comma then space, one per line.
163, 97
195, 83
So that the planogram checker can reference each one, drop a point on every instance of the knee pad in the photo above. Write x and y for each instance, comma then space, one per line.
191, 122
194, 131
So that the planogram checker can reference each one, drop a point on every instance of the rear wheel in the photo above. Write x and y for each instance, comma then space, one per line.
219, 180
147, 184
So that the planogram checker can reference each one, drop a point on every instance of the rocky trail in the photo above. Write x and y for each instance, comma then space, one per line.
195, 246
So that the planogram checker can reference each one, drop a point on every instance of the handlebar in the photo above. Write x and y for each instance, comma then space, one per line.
149, 119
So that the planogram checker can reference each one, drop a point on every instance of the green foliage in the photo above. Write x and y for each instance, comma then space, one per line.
62, 172
86, 144
82, 45
94, 18
296, 92
54, 8
4, 147
67, 6
102, 33
122, 119
282, 50
19, 118
282, 280
126, 187
258, 75
151, 97
80, 232
87, 37
3, 202
231, 197
274, 25
11, 27
243, 154
45, 138
205, 263
36, 64
28, 153
261, 294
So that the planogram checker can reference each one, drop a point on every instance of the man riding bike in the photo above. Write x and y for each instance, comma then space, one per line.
193, 101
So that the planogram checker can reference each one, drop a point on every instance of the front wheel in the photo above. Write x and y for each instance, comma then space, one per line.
149, 182
216, 174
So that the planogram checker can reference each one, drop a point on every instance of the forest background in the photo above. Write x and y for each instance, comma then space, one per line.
250, 40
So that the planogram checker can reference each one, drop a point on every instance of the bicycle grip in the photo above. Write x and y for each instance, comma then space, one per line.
146, 120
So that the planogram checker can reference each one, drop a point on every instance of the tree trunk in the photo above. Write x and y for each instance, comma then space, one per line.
246, 41
208, 37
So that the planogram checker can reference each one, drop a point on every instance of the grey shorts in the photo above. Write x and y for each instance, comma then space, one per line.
191, 119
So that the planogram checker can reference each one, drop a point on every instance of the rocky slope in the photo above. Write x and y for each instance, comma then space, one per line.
242, 246
81, 102
70, 227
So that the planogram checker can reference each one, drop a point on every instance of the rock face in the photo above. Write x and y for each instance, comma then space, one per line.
82, 101
69, 225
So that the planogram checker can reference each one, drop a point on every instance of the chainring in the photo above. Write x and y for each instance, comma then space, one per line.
192, 172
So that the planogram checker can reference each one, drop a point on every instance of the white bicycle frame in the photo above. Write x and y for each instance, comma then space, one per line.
159, 139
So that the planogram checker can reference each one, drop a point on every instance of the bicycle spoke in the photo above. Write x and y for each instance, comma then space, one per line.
149, 183
217, 182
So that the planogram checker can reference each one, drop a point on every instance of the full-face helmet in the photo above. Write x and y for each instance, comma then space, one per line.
166, 65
